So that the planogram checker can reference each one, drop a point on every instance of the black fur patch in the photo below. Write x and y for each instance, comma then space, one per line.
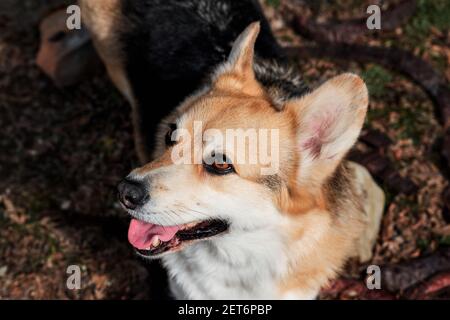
339, 188
280, 80
172, 46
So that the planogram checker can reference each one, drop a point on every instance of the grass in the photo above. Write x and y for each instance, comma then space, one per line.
409, 202
273, 3
429, 14
423, 244
376, 79
409, 124
444, 240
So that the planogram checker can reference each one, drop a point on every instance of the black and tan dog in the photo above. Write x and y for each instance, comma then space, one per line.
226, 227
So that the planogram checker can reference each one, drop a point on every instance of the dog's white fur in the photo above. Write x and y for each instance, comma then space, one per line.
258, 252
257, 257
249, 260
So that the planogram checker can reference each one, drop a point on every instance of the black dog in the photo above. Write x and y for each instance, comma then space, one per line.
158, 52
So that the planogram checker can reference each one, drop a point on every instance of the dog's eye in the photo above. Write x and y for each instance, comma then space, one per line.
220, 164
168, 137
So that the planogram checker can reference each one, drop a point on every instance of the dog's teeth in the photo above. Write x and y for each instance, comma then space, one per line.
156, 241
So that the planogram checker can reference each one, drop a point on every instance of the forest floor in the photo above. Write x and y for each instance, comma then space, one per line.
63, 151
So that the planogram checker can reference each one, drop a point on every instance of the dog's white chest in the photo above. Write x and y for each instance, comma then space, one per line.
200, 272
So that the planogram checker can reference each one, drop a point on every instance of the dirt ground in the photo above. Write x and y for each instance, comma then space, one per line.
63, 151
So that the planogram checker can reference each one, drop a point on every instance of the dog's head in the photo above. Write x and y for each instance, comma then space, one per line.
232, 162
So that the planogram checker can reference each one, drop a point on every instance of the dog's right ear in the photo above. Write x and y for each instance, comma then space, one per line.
329, 121
237, 74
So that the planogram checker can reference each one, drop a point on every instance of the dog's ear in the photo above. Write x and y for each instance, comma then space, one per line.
329, 121
241, 56
237, 72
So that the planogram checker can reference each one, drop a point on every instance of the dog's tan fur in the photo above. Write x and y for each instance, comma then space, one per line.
309, 206
106, 23
320, 200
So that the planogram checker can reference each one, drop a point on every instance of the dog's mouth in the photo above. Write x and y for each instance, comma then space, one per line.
152, 239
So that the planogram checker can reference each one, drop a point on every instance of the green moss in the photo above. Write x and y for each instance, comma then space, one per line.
445, 240
409, 202
439, 61
376, 79
410, 124
273, 3
423, 244
286, 38
429, 14
379, 113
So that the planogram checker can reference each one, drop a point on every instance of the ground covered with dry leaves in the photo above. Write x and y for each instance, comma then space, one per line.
62, 152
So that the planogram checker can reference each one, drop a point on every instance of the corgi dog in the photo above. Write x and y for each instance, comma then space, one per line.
276, 223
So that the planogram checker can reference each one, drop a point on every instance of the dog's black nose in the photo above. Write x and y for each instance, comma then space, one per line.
132, 194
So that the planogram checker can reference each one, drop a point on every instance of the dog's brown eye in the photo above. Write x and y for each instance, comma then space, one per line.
220, 165
168, 138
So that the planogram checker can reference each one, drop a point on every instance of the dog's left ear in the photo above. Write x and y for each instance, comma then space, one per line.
329, 121
241, 56
237, 72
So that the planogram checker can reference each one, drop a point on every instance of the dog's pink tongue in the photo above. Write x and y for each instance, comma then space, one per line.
141, 234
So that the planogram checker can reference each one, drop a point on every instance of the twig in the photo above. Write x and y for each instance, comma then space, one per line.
348, 31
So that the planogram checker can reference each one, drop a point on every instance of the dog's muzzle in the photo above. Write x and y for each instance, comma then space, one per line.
132, 193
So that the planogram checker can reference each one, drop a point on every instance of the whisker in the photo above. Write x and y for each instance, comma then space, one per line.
193, 210
169, 217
